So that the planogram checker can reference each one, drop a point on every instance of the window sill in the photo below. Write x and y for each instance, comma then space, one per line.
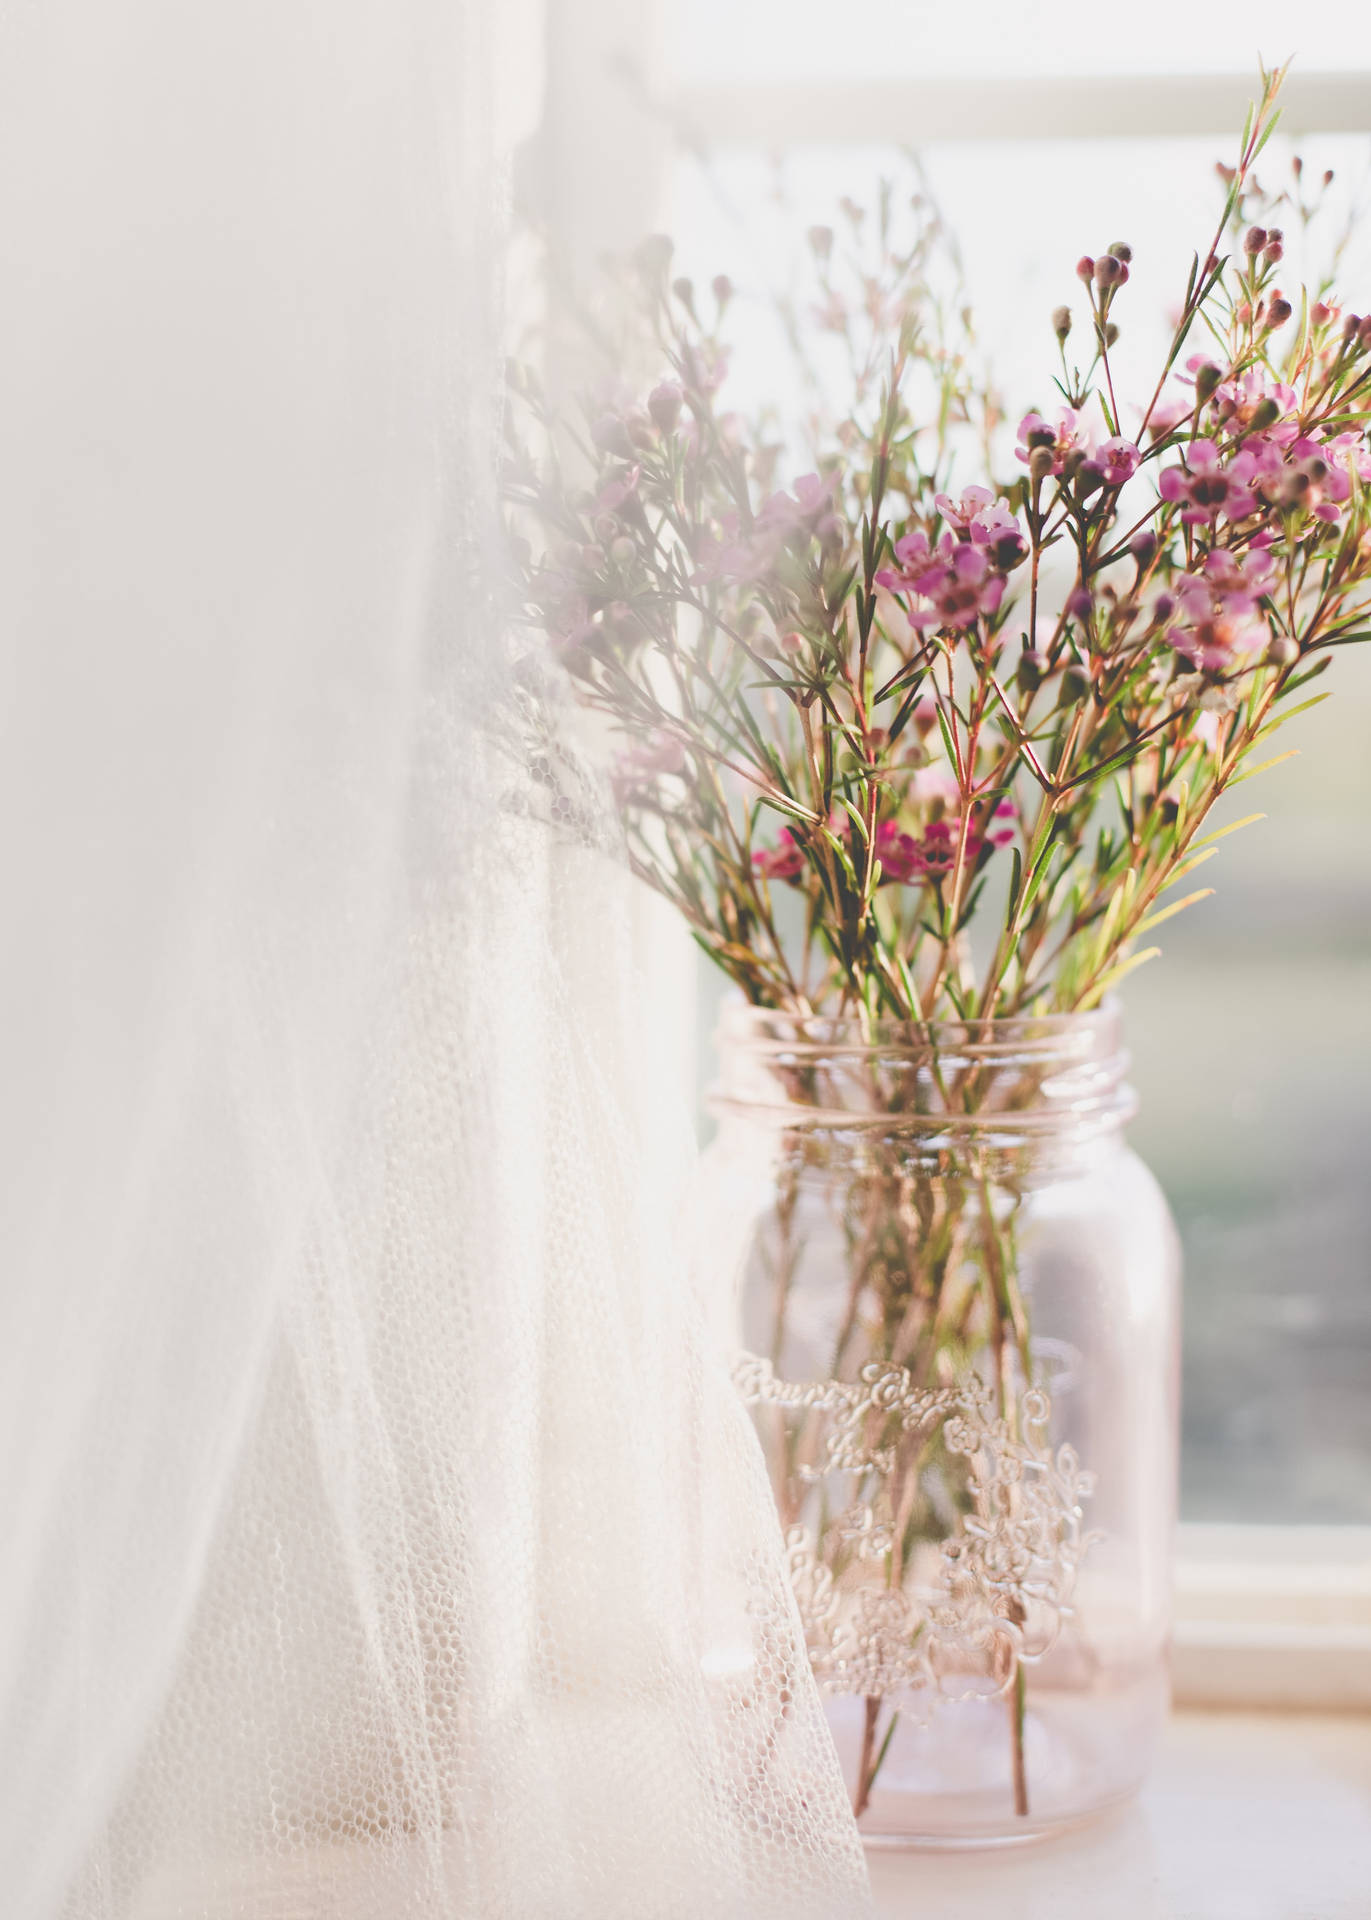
1247, 1816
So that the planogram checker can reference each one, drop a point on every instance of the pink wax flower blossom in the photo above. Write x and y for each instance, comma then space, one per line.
1345, 455
635, 771
1209, 487
1065, 438
784, 861
899, 853
957, 579
1115, 460
1252, 397
1216, 620
1169, 412
985, 520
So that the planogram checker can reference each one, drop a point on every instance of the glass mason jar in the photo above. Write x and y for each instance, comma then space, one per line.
957, 1312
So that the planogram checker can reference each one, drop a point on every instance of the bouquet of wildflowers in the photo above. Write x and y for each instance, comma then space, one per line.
862, 710
908, 744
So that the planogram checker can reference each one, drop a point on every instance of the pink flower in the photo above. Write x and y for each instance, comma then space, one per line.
1216, 619
958, 581
1168, 413
1240, 401
899, 853
986, 521
1115, 461
1064, 438
784, 861
1210, 488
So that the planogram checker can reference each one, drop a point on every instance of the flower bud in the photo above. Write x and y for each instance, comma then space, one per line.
1108, 270
1111, 334
1061, 322
792, 643
1075, 687
1320, 314
1266, 412
1041, 462
1254, 240
1122, 251
1283, 651
1085, 269
1164, 606
1278, 312
1029, 672
684, 291
664, 404
1207, 378
1143, 547
605, 527
1273, 252
638, 427
1080, 604
1364, 332
1350, 326
722, 288
622, 550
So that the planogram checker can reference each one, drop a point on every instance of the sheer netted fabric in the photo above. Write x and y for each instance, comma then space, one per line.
383, 1540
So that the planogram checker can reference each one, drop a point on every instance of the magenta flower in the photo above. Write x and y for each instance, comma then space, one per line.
1240, 402
1216, 619
1064, 438
784, 861
1208, 487
986, 521
1115, 461
957, 579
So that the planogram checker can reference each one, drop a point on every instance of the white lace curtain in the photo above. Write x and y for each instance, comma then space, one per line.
379, 1540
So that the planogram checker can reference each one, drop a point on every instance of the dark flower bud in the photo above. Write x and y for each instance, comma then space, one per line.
1075, 687
1328, 177
1041, 437
1273, 252
1108, 270
1169, 805
1364, 332
1041, 462
1122, 251
664, 404
1111, 334
1164, 607
1079, 604
1254, 240
1061, 322
1143, 547
1207, 378
1278, 312
1283, 651
1266, 412
1350, 326
1029, 672
1073, 462
1085, 269
604, 526
1089, 479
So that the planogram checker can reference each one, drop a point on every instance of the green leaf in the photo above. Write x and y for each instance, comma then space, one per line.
1115, 974
1169, 913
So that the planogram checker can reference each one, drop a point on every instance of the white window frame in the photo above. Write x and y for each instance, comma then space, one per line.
1266, 1616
